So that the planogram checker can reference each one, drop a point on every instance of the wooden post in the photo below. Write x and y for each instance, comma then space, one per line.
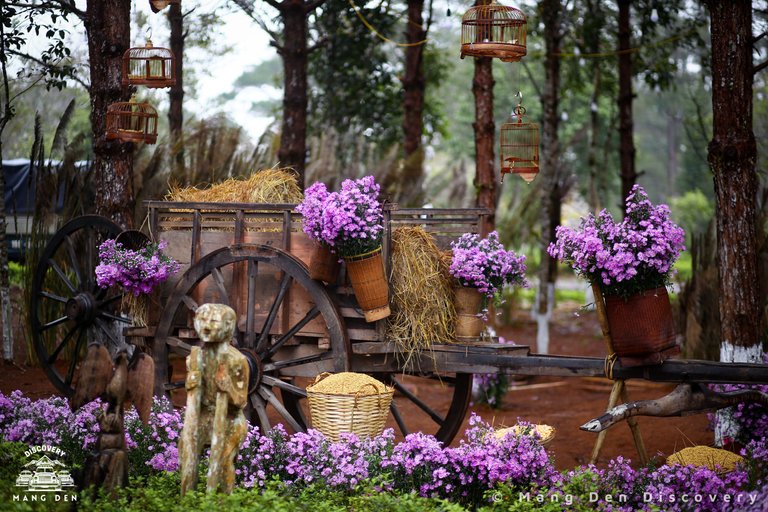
619, 390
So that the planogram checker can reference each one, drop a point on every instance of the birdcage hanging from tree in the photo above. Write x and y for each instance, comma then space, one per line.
150, 66
519, 140
132, 121
494, 30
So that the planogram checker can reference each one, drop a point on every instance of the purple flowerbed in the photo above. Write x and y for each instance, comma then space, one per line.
482, 469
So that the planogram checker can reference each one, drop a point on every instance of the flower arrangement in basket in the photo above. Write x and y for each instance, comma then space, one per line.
348, 402
629, 263
350, 222
482, 267
137, 271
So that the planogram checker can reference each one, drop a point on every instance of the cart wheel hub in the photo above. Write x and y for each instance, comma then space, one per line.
256, 369
81, 308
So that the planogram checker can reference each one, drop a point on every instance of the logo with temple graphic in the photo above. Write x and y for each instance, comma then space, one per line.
45, 473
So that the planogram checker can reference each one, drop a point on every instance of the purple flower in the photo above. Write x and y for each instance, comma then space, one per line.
623, 258
136, 271
485, 264
349, 221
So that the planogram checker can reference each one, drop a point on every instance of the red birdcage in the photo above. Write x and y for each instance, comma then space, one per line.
150, 66
519, 140
132, 121
494, 30
159, 5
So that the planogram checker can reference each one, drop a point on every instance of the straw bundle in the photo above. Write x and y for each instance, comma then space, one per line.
545, 432
704, 456
263, 186
422, 293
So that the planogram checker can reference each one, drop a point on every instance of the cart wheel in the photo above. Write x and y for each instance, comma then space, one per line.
67, 308
262, 284
412, 405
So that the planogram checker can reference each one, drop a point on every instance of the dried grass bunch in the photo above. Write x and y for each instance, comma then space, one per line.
422, 294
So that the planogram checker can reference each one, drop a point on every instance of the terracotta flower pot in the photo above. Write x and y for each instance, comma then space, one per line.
468, 301
323, 264
642, 328
366, 273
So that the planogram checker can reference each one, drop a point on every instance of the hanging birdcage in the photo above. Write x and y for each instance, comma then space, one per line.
159, 5
494, 30
519, 140
132, 121
150, 66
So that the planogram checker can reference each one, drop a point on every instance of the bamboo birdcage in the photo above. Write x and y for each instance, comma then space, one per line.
494, 30
519, 140
150, 66
131, 121
159, 5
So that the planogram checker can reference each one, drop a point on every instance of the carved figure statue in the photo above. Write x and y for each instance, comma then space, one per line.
107, 467
217, 391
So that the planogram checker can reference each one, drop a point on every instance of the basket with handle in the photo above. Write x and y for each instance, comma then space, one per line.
362, 412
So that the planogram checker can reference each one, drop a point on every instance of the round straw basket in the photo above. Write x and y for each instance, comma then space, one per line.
361, 414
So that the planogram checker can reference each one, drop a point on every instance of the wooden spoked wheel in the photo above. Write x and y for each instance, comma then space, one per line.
67, 308
434, 403
288, 327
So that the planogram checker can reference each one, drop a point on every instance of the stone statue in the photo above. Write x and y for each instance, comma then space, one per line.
217, 392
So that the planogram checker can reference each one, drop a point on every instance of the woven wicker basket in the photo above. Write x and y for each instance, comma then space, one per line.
361, 414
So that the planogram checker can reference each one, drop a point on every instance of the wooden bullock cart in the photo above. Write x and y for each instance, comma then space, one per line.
254, 257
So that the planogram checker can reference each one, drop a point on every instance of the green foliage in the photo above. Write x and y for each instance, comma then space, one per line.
684, 267
353, 87
161, 492
693, 211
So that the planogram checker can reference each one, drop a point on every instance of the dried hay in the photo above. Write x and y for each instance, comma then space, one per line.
704, 456
264, 186
422, 294
545, 432
347, 383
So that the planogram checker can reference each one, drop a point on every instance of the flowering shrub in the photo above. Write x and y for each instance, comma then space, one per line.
136, 271
480, 470
311, 210
349, 221
623, 258
154, 446
485, 264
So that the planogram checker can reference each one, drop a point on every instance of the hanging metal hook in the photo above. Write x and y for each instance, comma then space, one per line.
519, 110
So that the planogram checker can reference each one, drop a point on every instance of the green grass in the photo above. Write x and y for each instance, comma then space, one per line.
684, 267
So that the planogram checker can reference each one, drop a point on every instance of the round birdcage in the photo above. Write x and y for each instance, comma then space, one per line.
519, 140
159, 5
131, 121
494, 30
150, 66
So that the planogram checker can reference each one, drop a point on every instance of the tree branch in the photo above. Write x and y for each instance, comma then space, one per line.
319, 44
759, 67
280, 49
47, 65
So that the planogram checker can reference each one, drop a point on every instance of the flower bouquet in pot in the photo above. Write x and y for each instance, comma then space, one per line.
629, 264
138, 271
324, 263
351, 223
481, 267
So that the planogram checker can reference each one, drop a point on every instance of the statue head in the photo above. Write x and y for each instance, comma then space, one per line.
215, 323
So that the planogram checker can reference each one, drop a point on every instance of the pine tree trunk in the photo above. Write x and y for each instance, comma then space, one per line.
108, 26
176, 94
413, 104
293, 144
626, 142
732, 156
550, 190
485, 132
